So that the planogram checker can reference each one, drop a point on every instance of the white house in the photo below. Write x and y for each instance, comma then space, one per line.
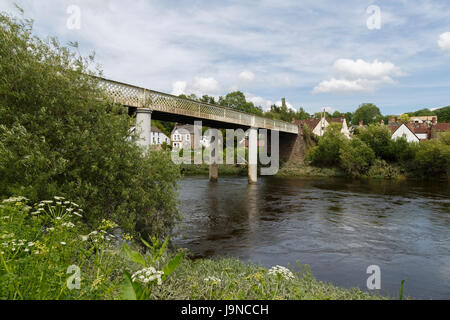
157, 137
403, 130
319, 126
182, 136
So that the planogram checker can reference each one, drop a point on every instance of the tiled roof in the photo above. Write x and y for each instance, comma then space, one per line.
336, 120
443, 126
311, 123
394, 127
188, 127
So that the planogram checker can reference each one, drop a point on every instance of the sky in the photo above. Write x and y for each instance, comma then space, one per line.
317, 54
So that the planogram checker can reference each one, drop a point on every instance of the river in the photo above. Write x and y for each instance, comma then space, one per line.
338, 227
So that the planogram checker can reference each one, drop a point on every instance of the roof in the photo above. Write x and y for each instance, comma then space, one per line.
394, 128
443, 126
311, 123
336, 120
156, 129
188, 127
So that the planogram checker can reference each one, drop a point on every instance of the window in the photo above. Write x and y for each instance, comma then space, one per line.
188, 137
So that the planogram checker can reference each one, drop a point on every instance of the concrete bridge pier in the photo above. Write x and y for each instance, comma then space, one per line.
144, 127
213, 172
253, 156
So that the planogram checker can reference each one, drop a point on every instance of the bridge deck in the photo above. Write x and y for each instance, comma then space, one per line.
133, 96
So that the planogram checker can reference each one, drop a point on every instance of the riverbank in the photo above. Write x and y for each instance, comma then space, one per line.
231, 279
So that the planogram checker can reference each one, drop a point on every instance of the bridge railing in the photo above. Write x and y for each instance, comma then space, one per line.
138, 97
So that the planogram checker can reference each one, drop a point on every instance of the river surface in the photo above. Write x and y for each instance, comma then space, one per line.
338, 227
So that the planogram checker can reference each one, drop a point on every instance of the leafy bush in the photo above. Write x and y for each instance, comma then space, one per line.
356, 157
400, 150
432, 159
58, 135
383, 170
379, 139
327, 150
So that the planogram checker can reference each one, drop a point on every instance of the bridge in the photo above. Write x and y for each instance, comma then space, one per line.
150, 104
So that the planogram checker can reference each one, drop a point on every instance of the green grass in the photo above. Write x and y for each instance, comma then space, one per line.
247, 281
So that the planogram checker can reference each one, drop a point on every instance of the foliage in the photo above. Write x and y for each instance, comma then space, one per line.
432, 159
356, 157
139, 285
382, 170
38, 247
443, 114
404, 118
326, 152
379, 138
59, 136
368, 113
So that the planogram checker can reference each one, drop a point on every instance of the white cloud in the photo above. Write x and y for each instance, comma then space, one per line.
259, 101
444, 41
361, 69
288, 104
179, 87
247, 76
359, 76
199, 86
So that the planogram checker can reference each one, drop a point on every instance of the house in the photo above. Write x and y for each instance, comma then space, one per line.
318, 126
403, 130
439, 128
182, 136
157, 137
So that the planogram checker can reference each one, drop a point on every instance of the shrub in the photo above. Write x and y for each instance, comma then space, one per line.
379, 139
432, 159
400, 150
58, 135
326, 153
356, 157
383, 170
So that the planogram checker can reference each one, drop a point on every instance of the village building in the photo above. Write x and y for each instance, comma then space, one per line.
403, 130
182, 136
319, 126
157, 137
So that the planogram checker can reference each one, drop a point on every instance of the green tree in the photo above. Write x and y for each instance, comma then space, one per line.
326, 153
237, 100
59, 135
379, 139
443, 114
356, 157
404, 118
368, 113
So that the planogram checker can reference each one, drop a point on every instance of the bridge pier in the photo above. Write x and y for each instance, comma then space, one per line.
144, 127
213, 172
253, 156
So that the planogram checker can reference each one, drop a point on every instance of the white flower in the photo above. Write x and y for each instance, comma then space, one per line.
58, 218
30, 244
26, 250
282, 271
213, 280
59, 198
68, 225
148, 275
63, 243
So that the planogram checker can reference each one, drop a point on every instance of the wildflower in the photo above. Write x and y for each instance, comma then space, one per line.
147, 275
26, 250
213, 280
281, 271
68, 225
30, 244
63, 243
59, 198
36, 252
77, 214
84, 238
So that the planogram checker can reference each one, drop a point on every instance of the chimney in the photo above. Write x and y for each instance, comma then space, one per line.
361, 123
382, 122
392, 120
434, 120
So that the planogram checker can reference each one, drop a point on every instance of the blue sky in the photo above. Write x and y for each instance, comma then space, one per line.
315, 53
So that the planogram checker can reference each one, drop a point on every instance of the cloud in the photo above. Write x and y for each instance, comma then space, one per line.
179, 87
199, 86
265, 104
247, 76
355, 76
288, 104
444, 41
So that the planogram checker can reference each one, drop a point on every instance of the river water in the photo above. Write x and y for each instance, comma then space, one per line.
338, 227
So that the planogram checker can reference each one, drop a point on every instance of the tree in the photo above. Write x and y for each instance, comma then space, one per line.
356, 157
367, 113
59, 136
336, 114
349, 117
319, 115
443, 114
379, 138
326, 153
237, 100
404, 118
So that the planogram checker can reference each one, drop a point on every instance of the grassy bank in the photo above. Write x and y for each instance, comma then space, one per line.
224, 170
